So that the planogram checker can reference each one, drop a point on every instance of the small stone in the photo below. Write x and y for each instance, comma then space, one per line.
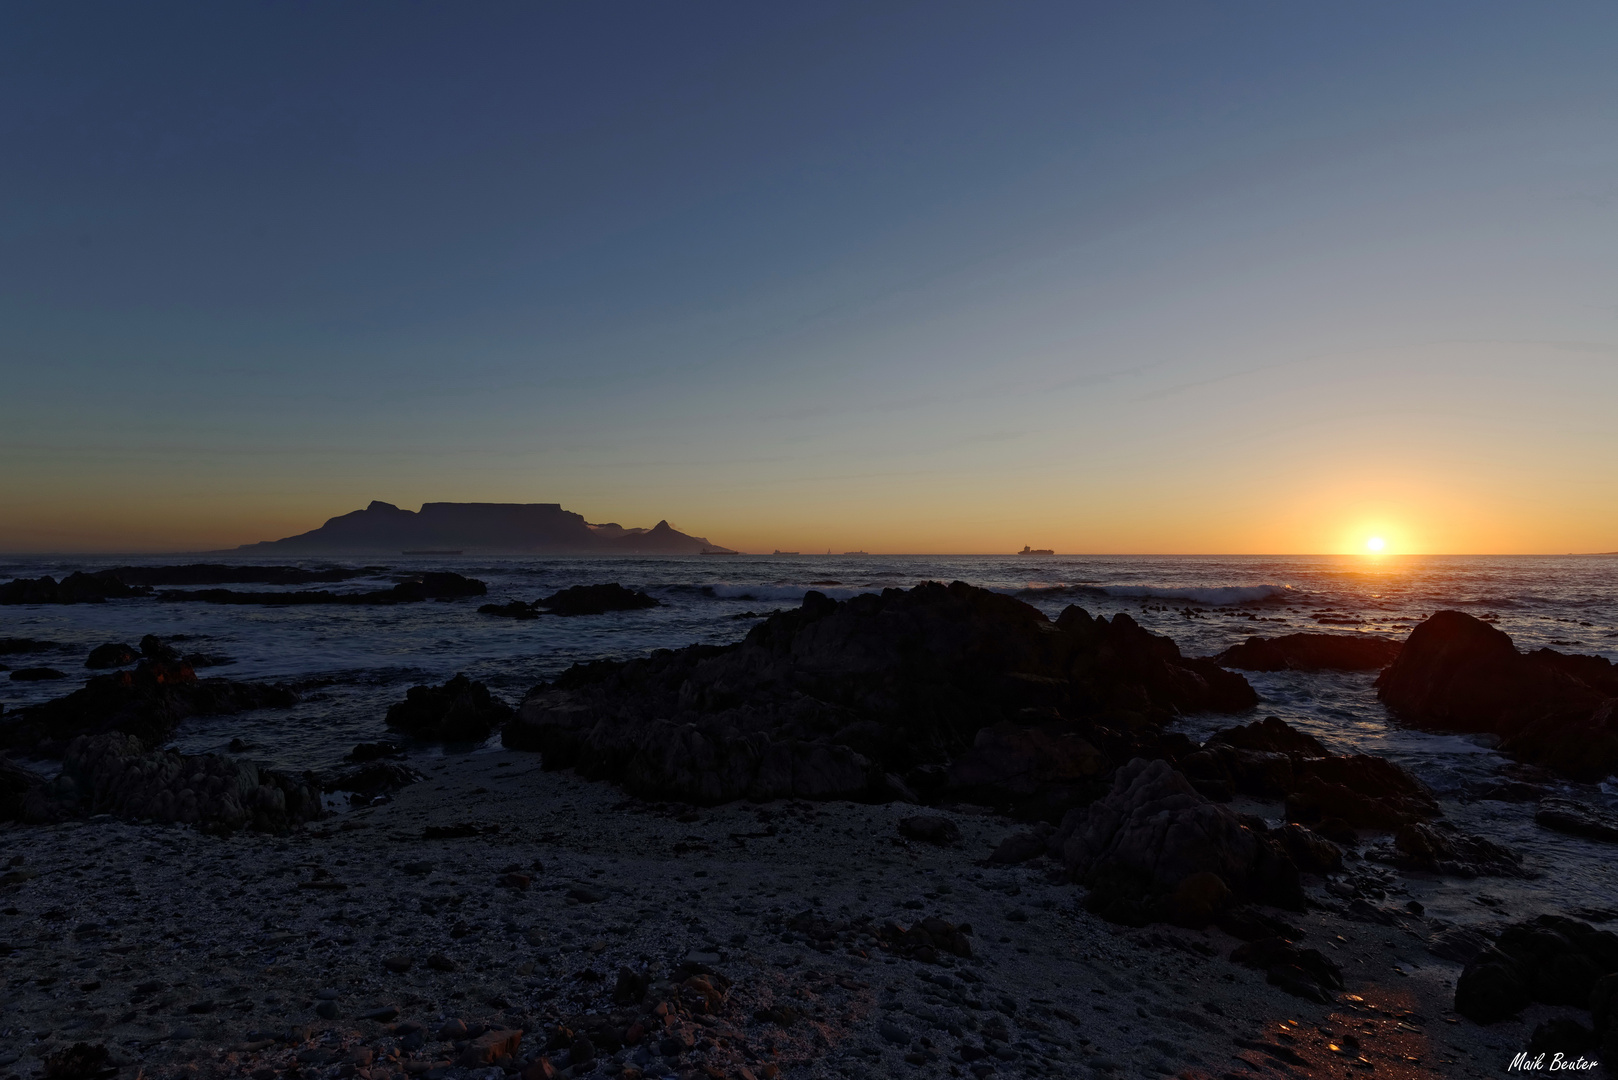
491, 1045
398, 963
452, 1030
893, 1033
327, 993
930, 828
385, 1015
326, 1010
440, 962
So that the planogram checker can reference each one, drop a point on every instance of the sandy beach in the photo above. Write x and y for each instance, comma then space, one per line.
353, 946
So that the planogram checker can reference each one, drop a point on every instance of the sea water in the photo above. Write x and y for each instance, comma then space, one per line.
351, 663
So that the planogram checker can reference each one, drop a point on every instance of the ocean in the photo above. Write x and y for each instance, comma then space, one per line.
351, 663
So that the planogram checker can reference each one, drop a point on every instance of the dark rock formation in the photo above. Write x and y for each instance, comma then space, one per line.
1270, 759
429, 585
373, 779
930, 829
1309, 852
37, 674
459, 711
76, 588
1304, 973
11, 646
1550, 959
115, 773
1443, 849
17, 785
147, 702
111, 655
1311, 652
525, 528
1035, 772
1577, 819
1153, 849
596, 600
1458, 673
841, 700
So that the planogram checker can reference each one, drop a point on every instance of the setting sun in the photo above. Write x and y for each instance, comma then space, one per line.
1375, 543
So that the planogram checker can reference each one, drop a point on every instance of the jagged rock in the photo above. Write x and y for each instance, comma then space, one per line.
1578, 819
374, 778
17, 785
461, 710
115, 773
76, 588
1311, 853
1034, 772
1270, 759
1461, 944
148, 702
11, 646
1311, 652
596, 600
1154, 849
1020, 847
834, 700
1304, 973
1443, 849
373, 751
930, 828
111, 655
1550, 959
37, 674
1458, 673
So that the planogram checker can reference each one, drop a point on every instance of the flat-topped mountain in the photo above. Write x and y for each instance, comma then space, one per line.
481, 528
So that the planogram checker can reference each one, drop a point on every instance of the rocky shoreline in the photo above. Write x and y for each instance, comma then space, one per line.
924, 832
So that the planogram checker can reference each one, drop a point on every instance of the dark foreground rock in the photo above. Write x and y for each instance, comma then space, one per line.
461, 710
1443, 849
113, 654
37, 674
1551, 959
373, 780
1311, 652
1578, 819
432, 585
1269, 759
1154, 850
76, 588
147, 702
596, 600
1458, 673
11, 646
875, 698
115, 773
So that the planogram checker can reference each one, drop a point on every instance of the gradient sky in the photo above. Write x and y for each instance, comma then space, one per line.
931, 277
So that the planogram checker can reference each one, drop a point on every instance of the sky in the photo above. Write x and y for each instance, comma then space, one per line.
907, 277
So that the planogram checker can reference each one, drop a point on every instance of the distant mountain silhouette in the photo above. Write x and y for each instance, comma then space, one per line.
481, 528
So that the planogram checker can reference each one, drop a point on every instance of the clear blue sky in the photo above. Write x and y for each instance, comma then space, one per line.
932, 276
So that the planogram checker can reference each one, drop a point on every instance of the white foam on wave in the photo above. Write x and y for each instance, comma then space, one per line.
792, 592
1211, 595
